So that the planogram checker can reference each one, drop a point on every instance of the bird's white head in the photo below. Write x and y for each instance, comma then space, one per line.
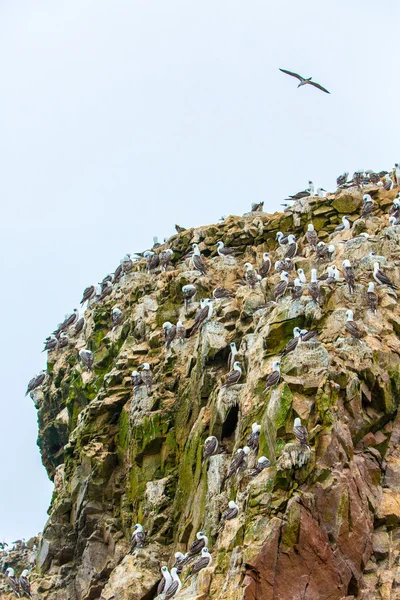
392, 220
164, 569
146, 366
367, 198
246, 450
188, 287
300, 271
138, 527
204, 551
297, 282
10, 572
346, 263
276, 365
233, 345
232, 504
135, 373
320, 244
220, 244
376, 267
25, 573
310, 227
248, 266
297, 422
371, 286
236, 366
331, 248
179, 323
349, 315
179, 555
291, 239
266, 256
279, 235
256, 428
196, 248
167, 325
169, 251
147, 254
262, 459
200, 535
284, 276
174, 573
296, 331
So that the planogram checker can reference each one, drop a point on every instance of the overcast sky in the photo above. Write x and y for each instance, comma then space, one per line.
120, 118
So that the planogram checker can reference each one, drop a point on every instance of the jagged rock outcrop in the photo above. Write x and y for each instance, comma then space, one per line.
323, 521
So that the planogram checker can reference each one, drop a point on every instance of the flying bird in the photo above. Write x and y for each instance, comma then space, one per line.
138, 537
262, 463
274, 377
234, 376
304, 81
210, 447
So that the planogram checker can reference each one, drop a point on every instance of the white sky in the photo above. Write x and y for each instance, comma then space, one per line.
120, 118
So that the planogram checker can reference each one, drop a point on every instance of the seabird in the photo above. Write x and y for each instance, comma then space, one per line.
201, 563
265, 266
88, 294
397, 173
313, 286
292, 344
63, 340
251, 276
68, 321
312, 235
181, 560
329, 277
331, 250
395, 208
87, 357
394, 221
24, 583
232, 354
292, 247
175, 586
136, 380
274, 377
79, 325
166, 580
381, 278
301, 275
118, 273
257, 207
13, 582
147, 376
254, 437
297, 290
179, 229
282, 239
372, 297
307, 336
106, 291
203, 315
36, 382
169, 333
351, 325
180, 331
349, 276
117, 316
321, 192
234, 376
281, 287
262, 463
283, 265
388, 183
368, 206
189, 291
197, 260
321, 250
225, 252
304, 81
344, 225
342, 179
109, 277
199, 543
210, 447
300, 432
238, 461
221, 293
165, 257
231, 513
138, 537
51, 343
126, 263
152, 260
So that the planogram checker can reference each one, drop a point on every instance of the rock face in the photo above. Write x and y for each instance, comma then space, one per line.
323, 521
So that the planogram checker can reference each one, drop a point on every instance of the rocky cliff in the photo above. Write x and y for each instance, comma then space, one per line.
322, 522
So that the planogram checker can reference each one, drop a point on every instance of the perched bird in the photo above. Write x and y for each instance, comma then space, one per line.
152, 260
221, 293
147, 376
313, 286
203, 315
13, 582
238, 461
292, 247
301, 275
307, 336
262, 463
138, 537
175, 587
169, 333
265, 266
63, 340
368, 206
68, 321
254, 437
349, 276
181, 560
321, 251
344, 225
372, 297
381, 278
180, 331
117, 316
51, 343
106, 291
199, 543
234, 376
281, 287
342, 179
231, 513
257, 207
394, 221
106, 279
225, 252
388, 183
202, 563
304, 81
312, 236
321, 192
189, 291
80, 324
351, 325
88, 294
118, 273
136, 380
165, 257
251, 276
231, 358
179, 229
197, 260
300, 432
36, 382
165, 581
397, 173
87, 357
297, 290
210, 447
24, 584
274, 377
292, 344
282, 238
283, 265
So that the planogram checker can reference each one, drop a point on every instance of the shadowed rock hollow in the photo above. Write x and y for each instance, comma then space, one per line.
321, 522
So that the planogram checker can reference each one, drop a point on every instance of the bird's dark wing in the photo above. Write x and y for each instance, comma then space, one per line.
290, 346
209, 448
299, 77
236, 463
161, 586
233, 377
318, 86
384, 279
272, 379
353, 329
200, 564
196, 547
171, 590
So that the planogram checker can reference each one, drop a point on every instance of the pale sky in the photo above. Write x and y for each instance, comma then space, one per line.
121, 118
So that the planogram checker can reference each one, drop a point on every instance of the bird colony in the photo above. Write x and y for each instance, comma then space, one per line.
208, 415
